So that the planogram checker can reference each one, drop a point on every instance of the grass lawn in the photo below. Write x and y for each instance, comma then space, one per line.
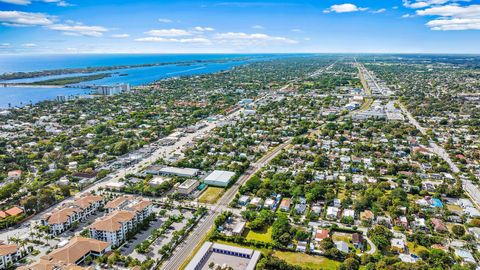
339, 236
211, 195
265, 235
306, 260
454, 208
413, 249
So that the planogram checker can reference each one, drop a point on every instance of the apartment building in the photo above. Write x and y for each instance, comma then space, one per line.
62, 219
71, 255
9, 254
120, 220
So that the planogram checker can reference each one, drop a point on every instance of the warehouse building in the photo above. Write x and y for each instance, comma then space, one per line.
224, 255
219, 178
183, 172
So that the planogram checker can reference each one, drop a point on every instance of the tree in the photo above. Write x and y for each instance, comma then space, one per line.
121, 148
380, 236
281, 230
458, 230
350, 264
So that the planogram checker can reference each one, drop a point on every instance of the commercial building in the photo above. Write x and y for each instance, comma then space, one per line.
71, 255
114, 227
188, 186
224, 255
183, 172
219, 178
62, 219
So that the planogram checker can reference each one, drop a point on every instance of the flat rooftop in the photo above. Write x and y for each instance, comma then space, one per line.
179, 171
222, 176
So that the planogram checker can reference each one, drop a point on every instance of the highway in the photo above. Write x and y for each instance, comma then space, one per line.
194, 239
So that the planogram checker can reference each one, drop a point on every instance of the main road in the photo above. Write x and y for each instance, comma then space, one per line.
194, 239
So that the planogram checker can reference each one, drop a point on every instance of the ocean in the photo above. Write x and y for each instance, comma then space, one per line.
19, 96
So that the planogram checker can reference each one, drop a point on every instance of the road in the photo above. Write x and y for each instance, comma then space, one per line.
194, 239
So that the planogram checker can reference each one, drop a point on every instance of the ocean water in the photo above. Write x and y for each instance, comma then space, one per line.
19, 96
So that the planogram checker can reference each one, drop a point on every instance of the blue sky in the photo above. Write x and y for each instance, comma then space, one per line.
121, 26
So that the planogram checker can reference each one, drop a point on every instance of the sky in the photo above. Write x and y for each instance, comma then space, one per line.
162, 26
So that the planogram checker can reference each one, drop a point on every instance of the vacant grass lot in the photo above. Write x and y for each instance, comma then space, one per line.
211, 195
305, 260
264, 236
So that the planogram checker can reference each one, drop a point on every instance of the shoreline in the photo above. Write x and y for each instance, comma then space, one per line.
19, 85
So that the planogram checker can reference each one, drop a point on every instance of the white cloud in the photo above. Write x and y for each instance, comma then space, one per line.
407, 16
239, 38
424, 3
5, 45
59, 3
382, 10
120, 35
453, 17
79, 30
258, 27
344, 8
451, 11
16, 2
164, 20
195, 40
29, 45
19, 18
297, 30
173, 32
203, 29
454, 24
64, 4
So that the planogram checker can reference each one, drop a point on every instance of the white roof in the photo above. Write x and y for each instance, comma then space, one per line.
220, 176
232, 248
179, 171
188, 183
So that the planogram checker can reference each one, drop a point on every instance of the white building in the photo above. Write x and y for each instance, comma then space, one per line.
332, 212
183, 172
219, 178
188, 186
110, 90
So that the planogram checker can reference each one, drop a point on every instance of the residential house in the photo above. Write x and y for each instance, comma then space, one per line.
342, 246
438, 225
398, 245
285, 204
367, 215
358, 240
321, 234
332, 213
